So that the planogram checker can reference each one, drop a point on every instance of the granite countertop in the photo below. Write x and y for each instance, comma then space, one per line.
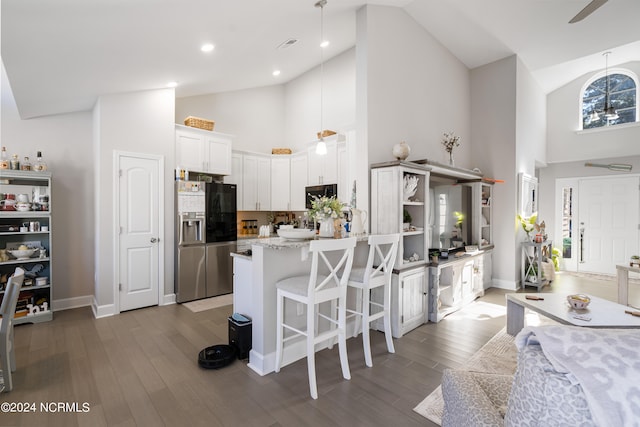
280, 243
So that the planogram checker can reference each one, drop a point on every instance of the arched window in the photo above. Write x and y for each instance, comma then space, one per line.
623, 90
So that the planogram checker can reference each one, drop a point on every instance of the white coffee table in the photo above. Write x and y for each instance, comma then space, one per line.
603, 313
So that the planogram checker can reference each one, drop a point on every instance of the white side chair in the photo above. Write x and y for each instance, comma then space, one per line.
7, 310
377, 273
312, 290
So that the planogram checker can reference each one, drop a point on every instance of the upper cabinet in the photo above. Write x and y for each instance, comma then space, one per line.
323, 168
256, 182
299, 168
280, 183
203, 151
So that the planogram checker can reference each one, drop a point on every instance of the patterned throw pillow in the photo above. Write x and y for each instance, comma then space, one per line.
541, 396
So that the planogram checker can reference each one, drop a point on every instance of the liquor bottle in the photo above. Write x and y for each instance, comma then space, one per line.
4, 159
40, 165
26, 164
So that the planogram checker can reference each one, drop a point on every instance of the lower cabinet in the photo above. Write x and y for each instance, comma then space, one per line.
457, 282
408, 300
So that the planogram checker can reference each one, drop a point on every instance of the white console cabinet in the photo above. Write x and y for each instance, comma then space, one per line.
456, 282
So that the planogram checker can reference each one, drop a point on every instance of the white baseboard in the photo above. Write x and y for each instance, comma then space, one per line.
102, 311
69, 303
168, 299
509, 285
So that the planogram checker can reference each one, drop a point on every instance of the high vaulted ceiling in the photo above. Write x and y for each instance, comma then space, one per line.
61, 55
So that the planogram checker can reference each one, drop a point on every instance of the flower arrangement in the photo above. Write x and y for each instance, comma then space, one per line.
531, 223
325, 207
450, 140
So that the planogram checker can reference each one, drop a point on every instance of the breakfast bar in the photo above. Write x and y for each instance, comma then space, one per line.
254, 282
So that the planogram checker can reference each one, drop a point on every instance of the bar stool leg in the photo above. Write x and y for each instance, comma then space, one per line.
279, 331
342, 338
311, 352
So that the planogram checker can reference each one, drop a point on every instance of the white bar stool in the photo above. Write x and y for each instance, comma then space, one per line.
313, 290
377, 273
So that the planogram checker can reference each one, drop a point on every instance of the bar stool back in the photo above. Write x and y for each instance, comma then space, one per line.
313, 290
377, 273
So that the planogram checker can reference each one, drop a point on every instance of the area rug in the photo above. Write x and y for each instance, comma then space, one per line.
498, 356
209, 303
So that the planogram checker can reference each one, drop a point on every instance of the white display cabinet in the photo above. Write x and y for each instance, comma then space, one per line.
31, 228
483, 218
398, 190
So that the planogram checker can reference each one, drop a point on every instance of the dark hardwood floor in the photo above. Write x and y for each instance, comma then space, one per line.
140, 369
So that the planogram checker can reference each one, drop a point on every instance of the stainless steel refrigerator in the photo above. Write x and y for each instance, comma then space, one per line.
206, 234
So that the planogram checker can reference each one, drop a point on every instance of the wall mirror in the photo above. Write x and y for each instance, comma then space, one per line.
528, 194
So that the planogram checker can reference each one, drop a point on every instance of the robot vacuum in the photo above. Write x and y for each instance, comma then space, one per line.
217, 356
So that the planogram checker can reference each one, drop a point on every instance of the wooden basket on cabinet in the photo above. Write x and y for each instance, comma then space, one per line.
281, 151
197, 122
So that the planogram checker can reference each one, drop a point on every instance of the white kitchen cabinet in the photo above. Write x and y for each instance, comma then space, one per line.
323, 168
199, 150
256, 182
281, 183
457, 282
236, 177
299, 170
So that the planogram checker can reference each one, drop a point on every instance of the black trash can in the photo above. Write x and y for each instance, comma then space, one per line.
240, 334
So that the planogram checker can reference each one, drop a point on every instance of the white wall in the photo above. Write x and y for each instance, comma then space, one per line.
138, 122
531, 122
302, 101
416, 89
65, 142
565, 143
493, 126
283, 115
254, 116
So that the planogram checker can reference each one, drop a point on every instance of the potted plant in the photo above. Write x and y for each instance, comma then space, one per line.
635, 261
406, 220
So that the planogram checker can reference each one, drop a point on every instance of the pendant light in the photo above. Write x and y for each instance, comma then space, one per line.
321, 146
609, 112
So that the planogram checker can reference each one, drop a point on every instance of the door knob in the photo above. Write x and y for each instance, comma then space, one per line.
153, 240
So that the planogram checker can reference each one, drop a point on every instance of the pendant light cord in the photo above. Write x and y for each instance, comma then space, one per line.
321, 5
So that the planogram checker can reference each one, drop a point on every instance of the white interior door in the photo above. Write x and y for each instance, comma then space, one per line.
608, 223
139, 209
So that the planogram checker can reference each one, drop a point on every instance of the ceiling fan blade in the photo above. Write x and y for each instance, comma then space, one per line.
588, 10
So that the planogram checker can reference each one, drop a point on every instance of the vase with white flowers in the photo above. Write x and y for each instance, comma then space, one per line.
450, 141
326, 210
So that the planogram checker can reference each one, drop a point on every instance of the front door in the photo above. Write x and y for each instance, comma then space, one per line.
139, 209
607, 223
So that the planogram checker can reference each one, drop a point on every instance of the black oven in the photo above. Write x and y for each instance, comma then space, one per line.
329, 190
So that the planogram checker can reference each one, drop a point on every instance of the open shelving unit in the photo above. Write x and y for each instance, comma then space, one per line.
34, 302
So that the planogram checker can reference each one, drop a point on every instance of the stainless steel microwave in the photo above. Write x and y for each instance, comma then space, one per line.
328, 190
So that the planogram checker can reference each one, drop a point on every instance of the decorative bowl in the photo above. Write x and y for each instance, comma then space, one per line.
22, 254
578, 301
296, 233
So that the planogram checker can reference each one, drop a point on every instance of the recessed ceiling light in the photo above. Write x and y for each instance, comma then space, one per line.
208, 47
172, 84
276, 73
324, 43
